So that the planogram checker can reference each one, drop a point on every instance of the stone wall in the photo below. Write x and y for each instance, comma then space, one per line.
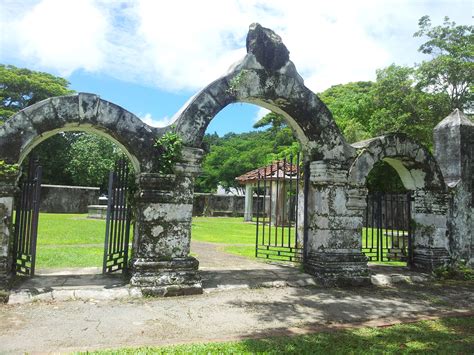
206, 204
67, 199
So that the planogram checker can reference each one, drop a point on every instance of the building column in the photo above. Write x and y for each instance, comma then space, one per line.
429, 230
335, 213
161, 264
454, 152
7, 191
248, 213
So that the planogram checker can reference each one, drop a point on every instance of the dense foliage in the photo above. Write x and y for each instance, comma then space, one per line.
20, 88
235, 154
69, 158
168, 152
451, 68
411, 100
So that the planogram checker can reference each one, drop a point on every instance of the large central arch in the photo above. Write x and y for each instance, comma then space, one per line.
266, 77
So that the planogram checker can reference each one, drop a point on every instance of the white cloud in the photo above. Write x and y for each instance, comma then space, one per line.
183, 45
163, 122
260, 113
62, 35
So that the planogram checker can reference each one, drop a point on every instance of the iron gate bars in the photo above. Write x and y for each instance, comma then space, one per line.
26, 220
278, 235
387, 234
117, 227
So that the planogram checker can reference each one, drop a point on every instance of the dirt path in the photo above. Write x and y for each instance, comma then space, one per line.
243, 298
234, 314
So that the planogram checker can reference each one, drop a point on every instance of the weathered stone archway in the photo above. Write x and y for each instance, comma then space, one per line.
335, 194
80, 112
266, 77
419, 173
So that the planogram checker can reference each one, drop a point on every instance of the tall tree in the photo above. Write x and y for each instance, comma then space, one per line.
92, 157
451, 68
20, 88
401, 106
352, 107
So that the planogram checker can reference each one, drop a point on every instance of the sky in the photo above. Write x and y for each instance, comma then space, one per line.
151, 56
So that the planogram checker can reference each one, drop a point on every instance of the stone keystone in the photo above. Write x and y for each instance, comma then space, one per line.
267, 47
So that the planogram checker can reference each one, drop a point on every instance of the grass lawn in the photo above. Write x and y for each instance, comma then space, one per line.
443, 336
231, 230
73, 240
69, 240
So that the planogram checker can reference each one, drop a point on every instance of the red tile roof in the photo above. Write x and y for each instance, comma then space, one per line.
278, 170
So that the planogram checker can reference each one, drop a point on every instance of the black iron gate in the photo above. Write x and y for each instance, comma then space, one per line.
117, 230
280, 209
26, 220
387, 233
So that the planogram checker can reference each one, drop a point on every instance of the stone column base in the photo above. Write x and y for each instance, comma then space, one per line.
176, 277
338, 268
430, 258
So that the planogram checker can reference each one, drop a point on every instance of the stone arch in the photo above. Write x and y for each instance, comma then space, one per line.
267, 78
79, 112
419, 173
415, 165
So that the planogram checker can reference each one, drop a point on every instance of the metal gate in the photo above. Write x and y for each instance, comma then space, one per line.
117, 230
280, 211
26, 220
387, 234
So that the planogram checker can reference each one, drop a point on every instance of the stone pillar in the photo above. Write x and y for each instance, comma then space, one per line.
161, 264
278, 204
7, 191
454, 152
248, 213
335, 219
429, 229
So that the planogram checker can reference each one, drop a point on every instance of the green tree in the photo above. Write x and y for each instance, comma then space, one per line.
20, 88
54, 155
235, 154
352, 108
401, 106
451, 68
91, 159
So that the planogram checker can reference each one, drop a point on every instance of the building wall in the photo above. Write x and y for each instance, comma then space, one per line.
67, 199
206, 204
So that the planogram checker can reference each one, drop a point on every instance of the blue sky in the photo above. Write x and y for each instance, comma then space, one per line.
151, 56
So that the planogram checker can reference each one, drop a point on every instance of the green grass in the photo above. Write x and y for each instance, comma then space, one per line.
72, 240
60, 257
69, 229
231, 230
443, 336
69, 240
242, 250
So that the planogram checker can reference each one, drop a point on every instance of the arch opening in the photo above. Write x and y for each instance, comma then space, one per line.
73, 221
233, 208
87, 129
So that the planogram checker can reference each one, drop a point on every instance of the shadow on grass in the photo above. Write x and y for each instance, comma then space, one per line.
443, 336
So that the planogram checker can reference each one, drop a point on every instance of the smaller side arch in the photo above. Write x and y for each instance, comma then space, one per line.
415, 165
80, 112
419, 173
